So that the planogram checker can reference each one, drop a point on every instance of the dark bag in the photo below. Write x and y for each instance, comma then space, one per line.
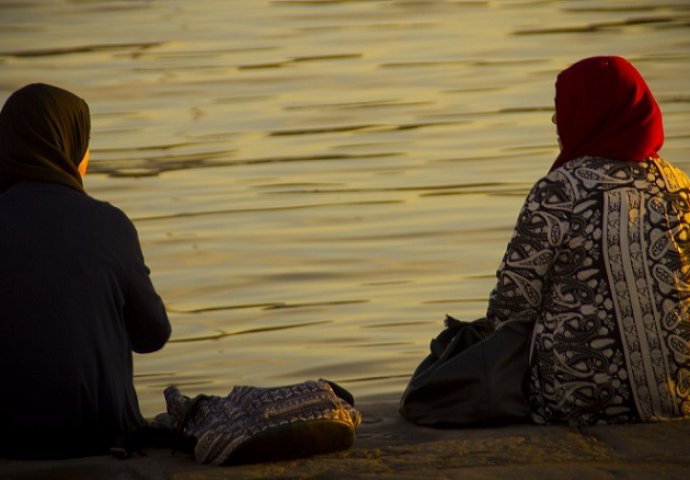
473, 376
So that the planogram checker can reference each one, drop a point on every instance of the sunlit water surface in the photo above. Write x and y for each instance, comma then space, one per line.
316, 183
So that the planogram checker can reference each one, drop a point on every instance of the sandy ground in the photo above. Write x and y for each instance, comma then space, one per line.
388, 447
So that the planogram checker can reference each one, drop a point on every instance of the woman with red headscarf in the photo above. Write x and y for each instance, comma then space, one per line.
599, 263
75, 295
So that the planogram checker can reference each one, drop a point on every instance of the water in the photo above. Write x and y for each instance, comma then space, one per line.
316, 183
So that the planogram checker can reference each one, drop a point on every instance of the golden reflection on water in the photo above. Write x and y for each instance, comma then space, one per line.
316, 183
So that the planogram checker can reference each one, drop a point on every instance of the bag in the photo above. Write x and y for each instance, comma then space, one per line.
253, 424
474, 376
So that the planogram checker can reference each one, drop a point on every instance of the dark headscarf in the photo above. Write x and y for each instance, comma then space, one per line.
604, 108
44, 134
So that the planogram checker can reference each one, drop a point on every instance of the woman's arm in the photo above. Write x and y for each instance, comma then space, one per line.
146, 320
523, 275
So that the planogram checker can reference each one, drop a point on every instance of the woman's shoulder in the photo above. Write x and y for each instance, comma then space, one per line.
105, 206
674, 179
587, 167
54, 198
600, 173
107, 211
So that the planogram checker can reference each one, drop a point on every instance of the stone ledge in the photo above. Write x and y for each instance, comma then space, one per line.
388, 447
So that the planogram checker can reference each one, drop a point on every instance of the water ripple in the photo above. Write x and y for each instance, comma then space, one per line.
228, 211
50, 52
596, 27
223, 334
152, 166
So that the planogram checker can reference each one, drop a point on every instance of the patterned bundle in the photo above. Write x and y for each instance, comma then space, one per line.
260, 424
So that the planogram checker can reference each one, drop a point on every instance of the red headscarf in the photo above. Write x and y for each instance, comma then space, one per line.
604, 108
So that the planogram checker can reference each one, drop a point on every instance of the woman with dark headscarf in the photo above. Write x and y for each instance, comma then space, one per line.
599, 262
75, 295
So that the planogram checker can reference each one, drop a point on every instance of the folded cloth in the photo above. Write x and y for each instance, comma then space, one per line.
253, 424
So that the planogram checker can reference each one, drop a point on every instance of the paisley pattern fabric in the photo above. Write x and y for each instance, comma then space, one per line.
600, 263
221, 425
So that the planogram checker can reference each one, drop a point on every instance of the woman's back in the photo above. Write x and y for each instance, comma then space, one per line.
609, 336
67, 262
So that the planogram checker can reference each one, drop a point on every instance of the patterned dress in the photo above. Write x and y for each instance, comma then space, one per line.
600, 263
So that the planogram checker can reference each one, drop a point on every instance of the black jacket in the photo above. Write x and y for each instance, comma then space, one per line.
75, 301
